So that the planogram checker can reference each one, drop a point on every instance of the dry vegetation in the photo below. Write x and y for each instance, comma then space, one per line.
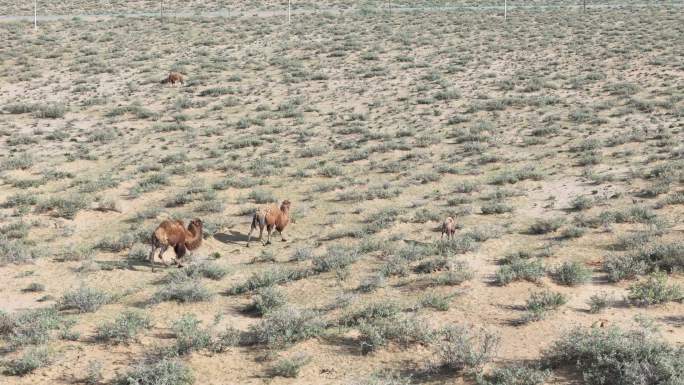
554, 140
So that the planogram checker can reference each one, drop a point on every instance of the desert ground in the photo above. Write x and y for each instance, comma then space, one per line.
554, 139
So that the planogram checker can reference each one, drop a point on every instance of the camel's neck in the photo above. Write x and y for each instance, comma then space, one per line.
195, 237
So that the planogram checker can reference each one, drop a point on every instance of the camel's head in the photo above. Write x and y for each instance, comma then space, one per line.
285, 206
196, 222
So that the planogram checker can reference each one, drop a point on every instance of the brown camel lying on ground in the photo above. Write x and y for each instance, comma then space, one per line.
270, 216
173, 78
171, 233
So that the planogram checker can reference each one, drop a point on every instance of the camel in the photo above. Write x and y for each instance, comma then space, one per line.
173, 78
171, 233
270, 216
449, 227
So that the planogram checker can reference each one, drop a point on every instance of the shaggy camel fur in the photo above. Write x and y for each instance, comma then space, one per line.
173, 78
270, 216
174, 234
449, 227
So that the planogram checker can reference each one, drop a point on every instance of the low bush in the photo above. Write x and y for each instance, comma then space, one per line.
163, 372
290, 367
84, 300
31, 360
286, 326
124, 328
571, 274
518, 269
615, 357
461, 349
515, 375
654, 290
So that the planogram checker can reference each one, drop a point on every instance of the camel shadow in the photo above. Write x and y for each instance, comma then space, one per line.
234, 237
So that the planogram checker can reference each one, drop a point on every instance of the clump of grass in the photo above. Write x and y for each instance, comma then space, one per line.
31, 360
545, 226
611, 356
437, 301
64, 206
461, 349
286, 326
290, 367
163, 372
31, 327
182, 289
518, 269
541, 302
654, 290
34, 287
276, 275
84, 300
571, 273
124, 328
598, 302
189, 336
93, 373
515, 375
206, 269
335, 258
266, 300
377, 332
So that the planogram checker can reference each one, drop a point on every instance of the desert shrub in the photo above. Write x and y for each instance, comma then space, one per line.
456, 273
369, 312
22, 161
621, 267
93, 374
139, 252
124, 328
518, 269
77, 252
49, 111
31, 360
457, 245
495, 207
266, 300
541, 302
34, 287
515, 375
335, 258
544, 226
437, 301
262, 196
65, 206
206, 269
286, 326
654, 290
163, 372
615, 357
32, 327
461, 349
189, 335
571, 274
227, 338
598, 302
84, 300
377, 332
372, 283
17, 251
149, 183
182, 289
302, 254
290, 367
274, 276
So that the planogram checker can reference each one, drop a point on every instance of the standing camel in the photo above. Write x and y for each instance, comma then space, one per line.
270, 217
174, 234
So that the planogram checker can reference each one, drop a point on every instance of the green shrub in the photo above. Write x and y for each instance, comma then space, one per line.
189, 335
654, 290
49, 111
66, 206
124, 328
163, 372
286, 326
274, 276
32, 327
515, 375
571, 274
290, 367
437, 301
598, 302
462, 349
541, 302
621, 267
518, 269
31, 360
84, 300
335, 258
377, 332
615, 357
545, 226
266, 300
34, 287
183, 290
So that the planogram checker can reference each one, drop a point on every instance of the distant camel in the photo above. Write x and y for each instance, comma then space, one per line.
449, 228
173, 78
270, 216
174, 234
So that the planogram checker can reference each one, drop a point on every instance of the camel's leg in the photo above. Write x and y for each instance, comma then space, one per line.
151, 257
269, 230
282, 237
249, 235
162, 250
180, 253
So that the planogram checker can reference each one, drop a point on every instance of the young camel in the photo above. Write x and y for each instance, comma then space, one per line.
174, 234
173, 78
449, 228
270, 216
